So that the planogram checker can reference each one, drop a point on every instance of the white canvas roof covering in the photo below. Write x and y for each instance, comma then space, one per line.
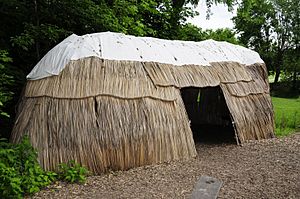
117, 46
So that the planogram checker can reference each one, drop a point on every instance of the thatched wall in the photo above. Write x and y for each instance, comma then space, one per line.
250, 105
105, 132
121, 114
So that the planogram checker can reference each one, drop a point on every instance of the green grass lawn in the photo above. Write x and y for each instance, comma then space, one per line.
287, 115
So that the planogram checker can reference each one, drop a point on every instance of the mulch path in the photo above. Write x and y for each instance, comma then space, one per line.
264, 169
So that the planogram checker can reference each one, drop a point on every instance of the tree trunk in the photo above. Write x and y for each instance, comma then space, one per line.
296, 67
278, 66
177, 6
294, 83
37, 42
277, 73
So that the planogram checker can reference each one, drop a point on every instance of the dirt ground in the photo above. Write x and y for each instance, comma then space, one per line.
265, 169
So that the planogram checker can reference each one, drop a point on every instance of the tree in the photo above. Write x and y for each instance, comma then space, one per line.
191, 32
6, 80
291, 65
224, 34
271, 27
181, 9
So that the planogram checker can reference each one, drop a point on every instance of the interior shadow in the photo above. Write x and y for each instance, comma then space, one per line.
208, 114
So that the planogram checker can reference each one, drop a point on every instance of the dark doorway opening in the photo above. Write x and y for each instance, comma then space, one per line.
209, 115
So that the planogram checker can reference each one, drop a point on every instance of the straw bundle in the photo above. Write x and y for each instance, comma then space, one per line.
94, 76
259, 85
196, 76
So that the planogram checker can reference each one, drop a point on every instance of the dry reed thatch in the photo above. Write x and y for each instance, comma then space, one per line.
120, 114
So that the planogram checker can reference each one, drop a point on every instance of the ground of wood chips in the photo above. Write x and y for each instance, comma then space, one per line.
264, 169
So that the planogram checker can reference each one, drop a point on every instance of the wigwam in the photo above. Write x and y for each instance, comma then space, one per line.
113, 101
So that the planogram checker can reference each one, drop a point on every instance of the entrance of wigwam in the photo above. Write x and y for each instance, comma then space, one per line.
209, 115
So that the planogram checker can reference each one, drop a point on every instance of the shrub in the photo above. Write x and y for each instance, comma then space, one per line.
72, 172
20, 172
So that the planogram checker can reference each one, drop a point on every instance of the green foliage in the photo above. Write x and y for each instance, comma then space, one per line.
191, 32
209, 3
6, 80
44, 33
72, 172
287, 115
272, 28
291, 66
10, 186
20, 172
222, 35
